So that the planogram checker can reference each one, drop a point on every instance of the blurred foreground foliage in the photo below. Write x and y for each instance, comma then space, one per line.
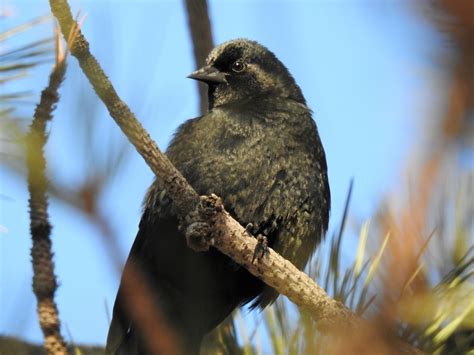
17, 62
438, 317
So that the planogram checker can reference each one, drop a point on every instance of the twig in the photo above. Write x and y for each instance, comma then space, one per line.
44, 280
201, 35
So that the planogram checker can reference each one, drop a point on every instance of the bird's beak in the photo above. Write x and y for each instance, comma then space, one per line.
209, 75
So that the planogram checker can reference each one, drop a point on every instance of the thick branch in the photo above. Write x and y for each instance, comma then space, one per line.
229, 236
44, 280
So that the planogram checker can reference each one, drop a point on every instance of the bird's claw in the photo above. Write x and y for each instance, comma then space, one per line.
199, 236
198, 225
210, 206
250, 229
261, 249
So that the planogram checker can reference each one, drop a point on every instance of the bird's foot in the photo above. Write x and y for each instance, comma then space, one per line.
251, 229
198, 236
261, 249
210, 206
199, 224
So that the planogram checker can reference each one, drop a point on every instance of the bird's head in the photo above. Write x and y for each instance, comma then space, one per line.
241, 69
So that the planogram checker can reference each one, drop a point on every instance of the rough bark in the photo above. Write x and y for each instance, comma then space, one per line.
44, 279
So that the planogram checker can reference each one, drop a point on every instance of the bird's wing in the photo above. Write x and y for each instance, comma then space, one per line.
296, 208
120, 339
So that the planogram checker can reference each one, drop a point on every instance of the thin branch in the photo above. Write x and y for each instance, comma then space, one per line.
201, 35
229, 236
44, 280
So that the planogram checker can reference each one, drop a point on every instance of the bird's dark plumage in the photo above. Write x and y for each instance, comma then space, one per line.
259, 150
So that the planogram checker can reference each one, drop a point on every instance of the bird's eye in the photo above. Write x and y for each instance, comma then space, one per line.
238, 66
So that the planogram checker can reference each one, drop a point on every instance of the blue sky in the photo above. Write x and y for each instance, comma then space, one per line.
365, 67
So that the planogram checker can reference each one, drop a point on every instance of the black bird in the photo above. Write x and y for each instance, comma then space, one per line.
257, 148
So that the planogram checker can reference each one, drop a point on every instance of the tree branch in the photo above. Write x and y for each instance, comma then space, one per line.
201, 35
44, 280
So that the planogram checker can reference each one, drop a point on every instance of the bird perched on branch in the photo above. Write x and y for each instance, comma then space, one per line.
258, 149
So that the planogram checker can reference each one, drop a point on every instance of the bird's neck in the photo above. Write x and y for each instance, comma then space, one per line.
263, 99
